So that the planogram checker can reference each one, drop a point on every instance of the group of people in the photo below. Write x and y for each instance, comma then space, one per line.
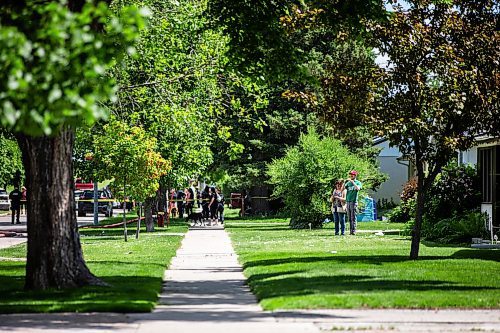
210, 201
344, 201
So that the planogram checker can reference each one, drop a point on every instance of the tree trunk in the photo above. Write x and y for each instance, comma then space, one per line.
419, 211
54, 258
415, 235
124, 210
138, 221
148, 214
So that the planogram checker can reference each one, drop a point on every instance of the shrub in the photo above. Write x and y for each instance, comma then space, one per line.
409, 190
305, 175
455, 229
455, 192
384, 204
404, 212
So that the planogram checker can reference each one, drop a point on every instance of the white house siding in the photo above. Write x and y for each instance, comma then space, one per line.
398, 173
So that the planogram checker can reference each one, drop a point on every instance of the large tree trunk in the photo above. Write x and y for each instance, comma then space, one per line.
417, 228
148, 214
55, 258
419, 212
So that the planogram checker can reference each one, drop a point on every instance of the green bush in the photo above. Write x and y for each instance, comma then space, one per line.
455, 230
454, 192
305, 175
404, 212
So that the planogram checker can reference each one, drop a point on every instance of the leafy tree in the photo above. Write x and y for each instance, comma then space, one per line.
127, 155
304, 177
275, 39
10, 160
315, 55
441, 86
263, 132
173, 88
53, 57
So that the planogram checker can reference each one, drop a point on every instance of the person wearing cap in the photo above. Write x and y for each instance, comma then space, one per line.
352, 187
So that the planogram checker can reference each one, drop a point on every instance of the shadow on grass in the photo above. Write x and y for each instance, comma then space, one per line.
481, 254
131, 228
375, 259
345, 284
259, 228
270, 219
126, 294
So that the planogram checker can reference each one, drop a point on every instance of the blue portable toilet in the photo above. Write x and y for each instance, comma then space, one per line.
369, 213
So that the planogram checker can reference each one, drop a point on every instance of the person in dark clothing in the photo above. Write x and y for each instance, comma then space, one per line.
220, 205
205, 200
213, 204
180, 202
190, 197
247, 202
15, 204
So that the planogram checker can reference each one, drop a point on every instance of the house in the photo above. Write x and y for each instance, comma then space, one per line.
486, 156
393, 164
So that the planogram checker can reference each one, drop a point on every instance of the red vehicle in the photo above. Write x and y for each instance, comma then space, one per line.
83, 186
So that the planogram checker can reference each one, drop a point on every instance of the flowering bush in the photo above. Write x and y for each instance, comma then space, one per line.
455, 192
409, 190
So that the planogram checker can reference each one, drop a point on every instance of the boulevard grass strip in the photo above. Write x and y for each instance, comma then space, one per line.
313, 269
134, 269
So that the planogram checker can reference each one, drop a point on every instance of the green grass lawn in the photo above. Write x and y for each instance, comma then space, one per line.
134, 269
309, 269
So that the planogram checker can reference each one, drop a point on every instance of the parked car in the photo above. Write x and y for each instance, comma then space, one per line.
104, 206
4, 200
78, 193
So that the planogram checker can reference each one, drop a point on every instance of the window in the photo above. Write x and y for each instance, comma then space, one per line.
486, 164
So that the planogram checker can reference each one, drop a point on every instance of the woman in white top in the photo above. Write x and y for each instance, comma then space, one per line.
338, 206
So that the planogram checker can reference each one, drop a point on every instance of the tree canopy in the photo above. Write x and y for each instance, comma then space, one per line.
441, 87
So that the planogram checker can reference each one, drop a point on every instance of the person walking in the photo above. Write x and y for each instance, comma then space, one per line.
213, 205
338, 200
181, 195
188, 206
205, 200
352, 187
15, 204
220, 206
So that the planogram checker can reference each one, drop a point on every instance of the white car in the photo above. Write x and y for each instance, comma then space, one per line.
4, 200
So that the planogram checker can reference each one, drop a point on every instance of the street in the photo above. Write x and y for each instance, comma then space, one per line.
5, 222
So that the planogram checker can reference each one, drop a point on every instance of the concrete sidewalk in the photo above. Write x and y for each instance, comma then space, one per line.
205, 291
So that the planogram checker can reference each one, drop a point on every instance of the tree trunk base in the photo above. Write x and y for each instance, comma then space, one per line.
54, 258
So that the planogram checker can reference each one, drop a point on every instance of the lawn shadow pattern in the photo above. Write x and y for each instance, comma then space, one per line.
345, 284
304, 282
125, 294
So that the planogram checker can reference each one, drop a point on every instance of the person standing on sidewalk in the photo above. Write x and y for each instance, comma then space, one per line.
220, 205
15, 204
352, 187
